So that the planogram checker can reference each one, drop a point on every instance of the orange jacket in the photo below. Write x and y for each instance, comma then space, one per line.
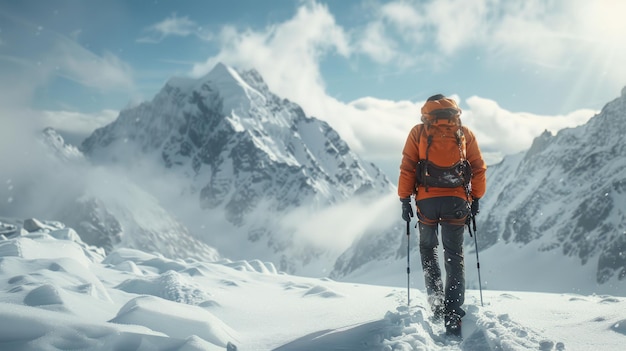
412, 154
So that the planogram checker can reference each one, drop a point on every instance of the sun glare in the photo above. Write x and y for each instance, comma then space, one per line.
603, 22
599, 27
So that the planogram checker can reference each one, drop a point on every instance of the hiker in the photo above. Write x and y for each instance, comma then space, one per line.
442, 167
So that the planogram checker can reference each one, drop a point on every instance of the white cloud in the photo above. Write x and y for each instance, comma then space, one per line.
320, 227
77, 123
376, 44
412, 27
575, 35
181, 26
174, 26
407, 21
458, 23
501, 132
393, 35
20, 125
20, 156
48, 54
106, 72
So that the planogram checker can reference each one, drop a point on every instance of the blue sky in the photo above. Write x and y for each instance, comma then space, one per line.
366, 66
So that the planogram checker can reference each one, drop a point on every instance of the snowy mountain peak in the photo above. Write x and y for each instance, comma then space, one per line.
540, 143
235, 93
55, 143
237, 148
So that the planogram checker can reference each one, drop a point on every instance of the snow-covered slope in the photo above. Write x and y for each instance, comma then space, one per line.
241, 153
57, 293
566, 196
553, 217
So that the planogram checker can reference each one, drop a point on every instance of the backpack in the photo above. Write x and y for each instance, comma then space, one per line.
442, 150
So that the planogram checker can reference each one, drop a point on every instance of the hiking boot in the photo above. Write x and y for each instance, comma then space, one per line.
453, 325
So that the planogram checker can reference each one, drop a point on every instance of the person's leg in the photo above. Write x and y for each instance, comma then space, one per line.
453, 214
430, 267
428, 242
452, 238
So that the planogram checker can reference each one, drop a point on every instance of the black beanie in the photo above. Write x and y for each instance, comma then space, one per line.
436, 97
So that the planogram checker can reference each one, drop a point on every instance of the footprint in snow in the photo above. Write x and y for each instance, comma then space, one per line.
509, 296
609, 300
503, 333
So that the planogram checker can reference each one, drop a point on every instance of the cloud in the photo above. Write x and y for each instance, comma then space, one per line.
21, 156
457, 24
47, 54
577, 36
375, 43
406, 18
174, 26
76, 126
27, 168
77, 122
350, 218
407, 31
106, 72
501, 132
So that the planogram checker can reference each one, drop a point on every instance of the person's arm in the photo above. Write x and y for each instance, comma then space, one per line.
475, 157
410, 156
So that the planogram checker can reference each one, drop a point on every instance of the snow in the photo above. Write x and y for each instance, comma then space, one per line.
57, 293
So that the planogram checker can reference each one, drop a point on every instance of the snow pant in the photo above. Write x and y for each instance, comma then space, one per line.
449, 213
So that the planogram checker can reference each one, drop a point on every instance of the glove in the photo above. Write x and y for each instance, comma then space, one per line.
475, 208
407, 209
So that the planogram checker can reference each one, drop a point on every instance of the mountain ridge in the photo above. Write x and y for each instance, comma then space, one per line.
241, 150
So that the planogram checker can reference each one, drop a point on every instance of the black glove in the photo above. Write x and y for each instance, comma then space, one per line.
407, 209
475, 207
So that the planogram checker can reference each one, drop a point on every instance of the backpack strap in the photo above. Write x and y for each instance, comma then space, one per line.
460, 139
429, 141
423, 170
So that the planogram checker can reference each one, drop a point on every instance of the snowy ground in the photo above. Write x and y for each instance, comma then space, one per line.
57, 293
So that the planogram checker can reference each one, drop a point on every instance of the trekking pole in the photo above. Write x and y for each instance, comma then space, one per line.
408, 266
480, 286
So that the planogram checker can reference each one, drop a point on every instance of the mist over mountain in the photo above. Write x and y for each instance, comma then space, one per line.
556, 213
111, 211
240, 166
